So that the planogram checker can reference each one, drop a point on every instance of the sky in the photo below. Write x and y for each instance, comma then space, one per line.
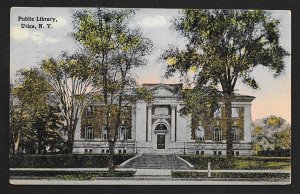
28, 46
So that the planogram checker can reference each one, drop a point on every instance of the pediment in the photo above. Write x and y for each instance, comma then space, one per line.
162, 91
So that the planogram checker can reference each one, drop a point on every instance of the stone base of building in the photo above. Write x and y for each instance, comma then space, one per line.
129, 147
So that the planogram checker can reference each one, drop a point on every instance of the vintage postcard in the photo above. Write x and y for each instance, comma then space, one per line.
102, 96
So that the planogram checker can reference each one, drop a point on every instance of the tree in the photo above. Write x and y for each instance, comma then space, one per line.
224, 46
275, 128
32, 110
269, 126
283, 139
115, 49
70, 78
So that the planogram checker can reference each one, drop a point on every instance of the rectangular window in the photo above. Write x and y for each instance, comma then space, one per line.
217, 113
197, 152
107, 151
237, 153
103, 134
215, 152
85, 151
102, 151
89, 111
217, 134
202, 152
235, 112
219, 153
124, 151
91, 150
120, 151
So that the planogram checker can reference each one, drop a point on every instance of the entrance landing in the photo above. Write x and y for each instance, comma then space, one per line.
157, 161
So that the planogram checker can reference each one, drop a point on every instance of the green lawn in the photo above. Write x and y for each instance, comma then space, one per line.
239, 163
185, 174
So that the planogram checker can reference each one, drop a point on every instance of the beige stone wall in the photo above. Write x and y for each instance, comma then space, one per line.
210, 123
97, 120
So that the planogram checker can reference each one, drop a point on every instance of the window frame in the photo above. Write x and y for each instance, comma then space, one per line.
89, 132
235, 134
217, 137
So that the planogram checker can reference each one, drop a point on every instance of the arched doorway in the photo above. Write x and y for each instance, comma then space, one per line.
161, 130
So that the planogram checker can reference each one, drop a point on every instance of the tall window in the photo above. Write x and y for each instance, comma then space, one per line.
89, 111
217, 134
200, 133
104, 132
89, 132
217, 113
235, 112
122, 133
235, 134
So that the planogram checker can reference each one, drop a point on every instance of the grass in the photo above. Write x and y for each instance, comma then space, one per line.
93, 176
239, 163
185, 174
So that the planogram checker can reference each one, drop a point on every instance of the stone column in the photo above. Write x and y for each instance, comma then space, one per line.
172, 133
149, 130
247, 123
78, 130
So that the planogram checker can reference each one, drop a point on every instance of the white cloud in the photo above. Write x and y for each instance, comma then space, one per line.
153, 22
60, 22
51, 39
18, 33
37, 37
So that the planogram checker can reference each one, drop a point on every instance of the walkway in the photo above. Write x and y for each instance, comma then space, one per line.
149, 182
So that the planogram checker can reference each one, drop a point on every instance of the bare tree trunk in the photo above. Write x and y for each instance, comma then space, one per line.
16, 144
228, 125
111, 161
70, 142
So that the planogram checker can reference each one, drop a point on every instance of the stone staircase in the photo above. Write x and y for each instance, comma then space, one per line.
157, 161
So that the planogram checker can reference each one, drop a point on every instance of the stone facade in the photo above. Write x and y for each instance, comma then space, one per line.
158, 127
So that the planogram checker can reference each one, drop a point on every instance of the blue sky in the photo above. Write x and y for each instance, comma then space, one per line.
30, 46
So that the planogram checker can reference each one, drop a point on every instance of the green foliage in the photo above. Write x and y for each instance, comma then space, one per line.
275, 128
224, 46
65, 160
144, 94
273, 121
35, 118
238, 163
71, 79
201, 101
257, 131
201, 162
284, 139
71, 175
185, 174
114, 50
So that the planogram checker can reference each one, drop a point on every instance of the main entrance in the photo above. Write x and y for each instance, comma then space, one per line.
161, 141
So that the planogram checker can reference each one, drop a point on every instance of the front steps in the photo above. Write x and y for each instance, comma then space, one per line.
157, 161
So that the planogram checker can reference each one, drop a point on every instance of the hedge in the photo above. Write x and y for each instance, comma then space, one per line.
277, 152
69, 175
65, 160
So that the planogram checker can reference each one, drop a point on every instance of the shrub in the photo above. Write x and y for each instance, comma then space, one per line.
65, 160
72, 175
